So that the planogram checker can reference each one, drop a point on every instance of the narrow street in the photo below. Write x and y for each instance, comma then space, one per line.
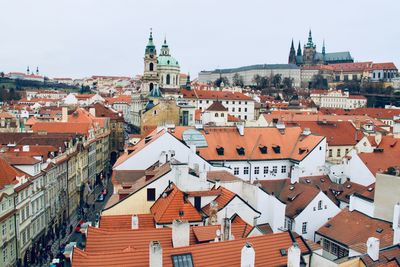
90, 216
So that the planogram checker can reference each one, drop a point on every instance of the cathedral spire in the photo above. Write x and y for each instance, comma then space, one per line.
310, 43
323, 47
299, 53
292, 54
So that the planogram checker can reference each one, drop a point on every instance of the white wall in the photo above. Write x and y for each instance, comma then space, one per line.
150, 154
362, 205
315, 219
314, 162
272, 210
240, 208
356, 170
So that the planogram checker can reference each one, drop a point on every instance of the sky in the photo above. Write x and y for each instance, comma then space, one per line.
80, 38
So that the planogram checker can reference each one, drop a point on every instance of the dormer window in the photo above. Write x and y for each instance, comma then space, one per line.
220, 150
240, 151
277, 149
263, 149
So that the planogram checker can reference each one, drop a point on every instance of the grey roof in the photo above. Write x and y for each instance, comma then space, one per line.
255, 67
337, 56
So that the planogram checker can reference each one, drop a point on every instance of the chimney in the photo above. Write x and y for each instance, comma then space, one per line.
213, 218
248, 256
306, 131
396, 224
293, 258
295, 174
155, 255
226, 229
203, 176
92, 112
25, 148
180, 233
217, 183
240, 128
396, 127
135, 222
64, 114
373, 248
163, 158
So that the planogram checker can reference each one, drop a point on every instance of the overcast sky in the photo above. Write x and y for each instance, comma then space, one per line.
77, 38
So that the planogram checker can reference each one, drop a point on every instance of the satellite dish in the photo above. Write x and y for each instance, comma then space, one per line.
218, 232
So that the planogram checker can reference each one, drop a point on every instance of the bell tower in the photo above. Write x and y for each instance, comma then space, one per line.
150, 77
309, 51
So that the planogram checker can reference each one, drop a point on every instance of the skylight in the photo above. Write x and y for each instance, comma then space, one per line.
182, 260
194, 137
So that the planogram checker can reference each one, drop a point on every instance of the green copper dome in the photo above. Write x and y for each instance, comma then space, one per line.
167, 61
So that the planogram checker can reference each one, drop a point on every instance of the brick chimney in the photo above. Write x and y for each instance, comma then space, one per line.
248, 256
135, 222
92, 112
226, 229
373, 248
396, 224
180, 233
64, 114
155, 254
293, 257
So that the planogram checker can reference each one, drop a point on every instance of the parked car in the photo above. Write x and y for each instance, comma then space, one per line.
100, 198
104, 192
78, 226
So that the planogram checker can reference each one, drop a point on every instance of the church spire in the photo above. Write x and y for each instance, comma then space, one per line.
310, 43
164, 48
323, 47
299, 53
292, 54
27, 70
150, 48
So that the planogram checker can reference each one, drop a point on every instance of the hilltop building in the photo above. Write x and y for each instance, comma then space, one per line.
310, 56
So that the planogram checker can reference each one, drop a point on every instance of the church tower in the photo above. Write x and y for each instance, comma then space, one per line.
150, 78
292, 54
299, 53
309, 51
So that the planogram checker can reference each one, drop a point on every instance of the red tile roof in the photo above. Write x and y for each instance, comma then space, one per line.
124, 222
375, 113
384, 66
296, 196
358, 228
339, 133
222, 200
386, 155
267, 252
172, 205
229, 138
218, 95
217, 106
8, 173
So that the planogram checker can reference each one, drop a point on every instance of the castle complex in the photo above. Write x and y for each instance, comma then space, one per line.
310, 56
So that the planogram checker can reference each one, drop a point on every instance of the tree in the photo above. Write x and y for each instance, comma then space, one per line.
287, 83
391, 171
257, 81
217, 82
13, 95
318, 81
2, 74
237, 80
276, 80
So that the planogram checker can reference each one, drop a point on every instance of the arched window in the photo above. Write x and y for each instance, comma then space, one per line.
151, 86
222, 114
216, 114
168, 79
151, 66
320, 205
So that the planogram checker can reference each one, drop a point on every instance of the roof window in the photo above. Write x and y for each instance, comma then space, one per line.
182, 260
263, 149
283, 252
220, 150
240, 150
277, 149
